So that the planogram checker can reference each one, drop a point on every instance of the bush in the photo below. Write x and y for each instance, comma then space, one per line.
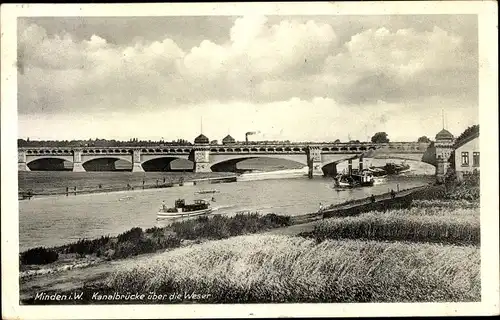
275, 221
85, 246
130, 235
39, 255
221, 227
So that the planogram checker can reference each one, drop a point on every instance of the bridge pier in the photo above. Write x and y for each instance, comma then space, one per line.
136, 161
314, 162
77, 161
201, 159
21, 161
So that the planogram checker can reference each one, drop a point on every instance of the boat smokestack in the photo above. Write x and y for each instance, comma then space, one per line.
360, 164
349, 166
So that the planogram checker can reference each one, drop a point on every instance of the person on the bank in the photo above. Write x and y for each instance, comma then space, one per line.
393, 194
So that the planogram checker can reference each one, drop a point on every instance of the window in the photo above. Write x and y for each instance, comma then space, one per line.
465, 158
475, 159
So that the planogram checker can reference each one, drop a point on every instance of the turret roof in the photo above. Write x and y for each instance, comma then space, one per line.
201, 139
444, 135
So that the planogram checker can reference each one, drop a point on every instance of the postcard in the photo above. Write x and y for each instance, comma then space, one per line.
216, 160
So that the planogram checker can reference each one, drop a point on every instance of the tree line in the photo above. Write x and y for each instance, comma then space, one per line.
379, 137
99, 143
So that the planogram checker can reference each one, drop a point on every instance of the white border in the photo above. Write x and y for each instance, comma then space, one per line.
488, 104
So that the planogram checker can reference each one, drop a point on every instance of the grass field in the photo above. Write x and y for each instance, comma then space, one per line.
266, 268
445, 221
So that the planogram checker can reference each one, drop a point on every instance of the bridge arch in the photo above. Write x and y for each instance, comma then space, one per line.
100, 162
229, 162
167, 163
50, 163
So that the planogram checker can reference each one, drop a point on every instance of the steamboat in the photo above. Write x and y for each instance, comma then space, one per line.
183, 210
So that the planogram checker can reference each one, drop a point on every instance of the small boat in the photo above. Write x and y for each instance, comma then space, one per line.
183, 210
393, 168
25, 195
126, 198
207, 191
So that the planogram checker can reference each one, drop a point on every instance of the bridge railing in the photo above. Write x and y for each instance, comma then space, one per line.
390, 145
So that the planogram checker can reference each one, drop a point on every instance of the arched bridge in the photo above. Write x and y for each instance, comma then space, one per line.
208, 158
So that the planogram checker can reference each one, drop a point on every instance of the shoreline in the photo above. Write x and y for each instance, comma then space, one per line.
177, 180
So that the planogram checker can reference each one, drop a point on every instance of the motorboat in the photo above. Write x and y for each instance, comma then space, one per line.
183, 210
207, 191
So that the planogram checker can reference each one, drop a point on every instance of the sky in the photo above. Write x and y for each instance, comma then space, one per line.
298, 78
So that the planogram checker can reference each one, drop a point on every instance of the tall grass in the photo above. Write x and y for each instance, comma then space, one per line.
459, 226
266, 268
445, 204
220, 227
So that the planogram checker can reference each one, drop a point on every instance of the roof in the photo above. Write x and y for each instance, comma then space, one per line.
465, 140
444, 135
201, 139
228, 138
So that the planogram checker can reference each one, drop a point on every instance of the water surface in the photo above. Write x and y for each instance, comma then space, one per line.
61, 219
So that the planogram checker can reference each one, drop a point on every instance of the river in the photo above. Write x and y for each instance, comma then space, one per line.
59, 220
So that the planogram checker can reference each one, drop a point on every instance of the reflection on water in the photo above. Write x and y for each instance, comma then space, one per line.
59, 220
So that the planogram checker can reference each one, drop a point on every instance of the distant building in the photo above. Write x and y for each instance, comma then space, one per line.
201, 139
444, 148
467, 155
228, 140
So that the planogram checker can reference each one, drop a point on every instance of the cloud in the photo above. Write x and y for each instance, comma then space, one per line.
404, 64
308, 67
319, 119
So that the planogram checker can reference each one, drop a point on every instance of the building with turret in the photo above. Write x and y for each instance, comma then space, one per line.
201, 139
228, 140
444, 148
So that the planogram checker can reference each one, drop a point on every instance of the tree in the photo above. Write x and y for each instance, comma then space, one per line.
467, 133
424, 139
337, 141
380, 137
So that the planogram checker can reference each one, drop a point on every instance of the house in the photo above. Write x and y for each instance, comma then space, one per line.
467, 155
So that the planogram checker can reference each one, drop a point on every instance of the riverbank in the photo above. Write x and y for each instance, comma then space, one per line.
404, 221
51, 183
109, 248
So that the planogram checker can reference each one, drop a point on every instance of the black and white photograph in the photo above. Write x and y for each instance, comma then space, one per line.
203, 157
